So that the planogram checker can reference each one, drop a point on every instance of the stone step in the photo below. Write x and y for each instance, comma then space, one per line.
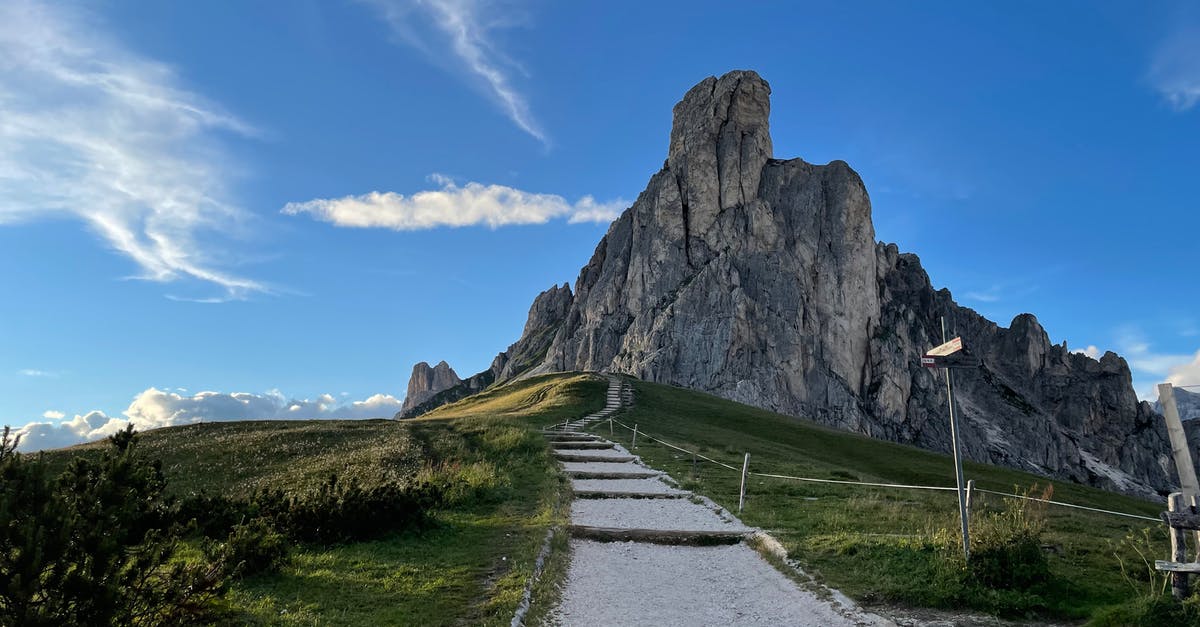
603, 494
581, 438
602, 459
582, 444
616, 474
659, 536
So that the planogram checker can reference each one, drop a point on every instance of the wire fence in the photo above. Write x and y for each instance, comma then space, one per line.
644, 435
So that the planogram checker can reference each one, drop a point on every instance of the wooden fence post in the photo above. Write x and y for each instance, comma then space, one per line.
742, 491
634, 443
610, 427
1179, 581
695, 464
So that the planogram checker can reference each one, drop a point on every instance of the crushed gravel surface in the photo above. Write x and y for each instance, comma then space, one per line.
640, 486
605, 467
630, 583
566, 454
674, 514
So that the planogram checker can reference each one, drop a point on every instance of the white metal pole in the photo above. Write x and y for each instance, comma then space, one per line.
742, 491
958, 473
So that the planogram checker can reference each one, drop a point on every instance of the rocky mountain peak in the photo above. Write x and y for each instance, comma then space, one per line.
426, 381
720, 141
760, 280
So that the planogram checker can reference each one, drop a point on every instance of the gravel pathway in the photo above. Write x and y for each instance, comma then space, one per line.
642, 583
631, 583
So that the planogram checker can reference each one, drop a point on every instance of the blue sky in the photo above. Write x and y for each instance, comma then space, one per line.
247, 209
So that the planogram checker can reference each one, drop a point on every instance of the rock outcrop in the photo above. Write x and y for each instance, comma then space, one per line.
760, 280
545, 317
427, 381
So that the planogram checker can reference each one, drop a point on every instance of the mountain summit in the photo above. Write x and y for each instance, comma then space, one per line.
760, 280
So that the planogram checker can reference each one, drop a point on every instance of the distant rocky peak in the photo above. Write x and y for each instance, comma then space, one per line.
427, 381
1188, 404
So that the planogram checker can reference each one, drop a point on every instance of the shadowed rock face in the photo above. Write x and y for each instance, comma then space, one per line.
425, 382
760, 280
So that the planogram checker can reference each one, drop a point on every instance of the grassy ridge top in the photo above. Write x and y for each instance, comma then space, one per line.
545, 399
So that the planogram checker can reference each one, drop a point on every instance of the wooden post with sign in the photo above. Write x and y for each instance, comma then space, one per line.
1180, 450
940, 357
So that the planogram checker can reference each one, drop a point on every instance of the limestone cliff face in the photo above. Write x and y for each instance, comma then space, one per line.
427, 381
760, 280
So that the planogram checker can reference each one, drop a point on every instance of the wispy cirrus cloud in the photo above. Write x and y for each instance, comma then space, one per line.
1175, 68
454, 206
465, 27
34, 372
91, 129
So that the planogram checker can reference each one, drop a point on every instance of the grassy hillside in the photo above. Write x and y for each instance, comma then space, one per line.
469, 567
881, 545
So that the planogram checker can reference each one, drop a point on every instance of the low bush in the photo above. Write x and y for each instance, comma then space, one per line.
96, 545
252, 548
345, 511
1006, 546
1151, 611
334, 512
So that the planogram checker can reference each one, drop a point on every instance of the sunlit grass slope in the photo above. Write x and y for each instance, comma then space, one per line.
874, 543
469, 567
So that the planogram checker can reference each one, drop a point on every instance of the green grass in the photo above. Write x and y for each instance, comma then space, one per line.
469, 567
878, 544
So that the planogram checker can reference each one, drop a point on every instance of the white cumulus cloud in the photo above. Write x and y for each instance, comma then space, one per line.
92, 130
1092, 351
1186, 373
465, 28
156, 408
454, 206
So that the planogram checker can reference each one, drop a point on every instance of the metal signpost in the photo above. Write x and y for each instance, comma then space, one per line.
940, 358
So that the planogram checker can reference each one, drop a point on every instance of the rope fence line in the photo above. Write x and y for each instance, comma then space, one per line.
697, 454
886, 485
866, 483
1091, 509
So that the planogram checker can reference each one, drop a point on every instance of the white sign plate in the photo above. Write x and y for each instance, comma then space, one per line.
949, 348
929, 362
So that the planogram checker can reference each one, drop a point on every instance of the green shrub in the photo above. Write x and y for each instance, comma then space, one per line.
1006, 547
1152, 611
96, 545
345, 511
252, 548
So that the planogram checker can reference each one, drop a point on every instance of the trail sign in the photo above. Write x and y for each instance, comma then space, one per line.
949, 348
958, 360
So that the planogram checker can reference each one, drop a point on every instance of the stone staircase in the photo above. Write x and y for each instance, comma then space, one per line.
645, 552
